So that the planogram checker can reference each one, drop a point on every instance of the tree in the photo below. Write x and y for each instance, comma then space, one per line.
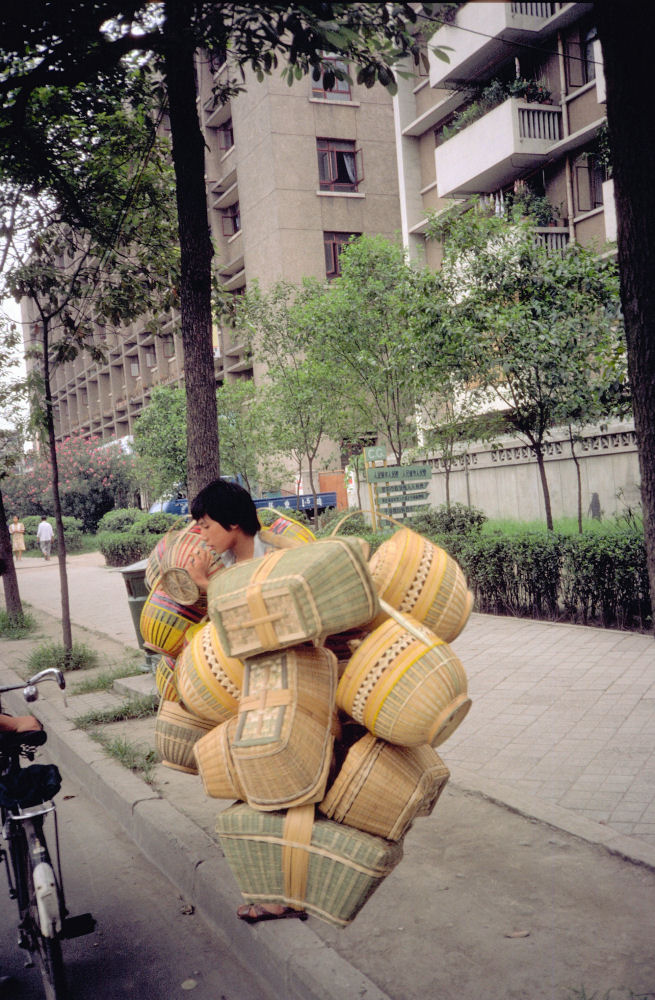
91, 43
626, 56
10, 452
303, 390
541, 327
160, 442
365, 326
248, 447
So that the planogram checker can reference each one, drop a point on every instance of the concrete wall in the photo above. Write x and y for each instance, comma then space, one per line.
504, 481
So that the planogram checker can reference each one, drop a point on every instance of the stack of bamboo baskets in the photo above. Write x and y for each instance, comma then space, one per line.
312, 686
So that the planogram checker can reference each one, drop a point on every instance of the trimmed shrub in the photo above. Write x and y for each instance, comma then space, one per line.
443, 520
121, 520
122, 548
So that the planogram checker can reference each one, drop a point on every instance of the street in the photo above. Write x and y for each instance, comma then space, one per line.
146, 945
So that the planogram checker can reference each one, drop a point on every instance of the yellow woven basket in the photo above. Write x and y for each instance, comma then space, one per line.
213, 756
165, 679
282, 747
418, 578
289, 528
381, 788
209, 682
164, 623
176, 733
405, 685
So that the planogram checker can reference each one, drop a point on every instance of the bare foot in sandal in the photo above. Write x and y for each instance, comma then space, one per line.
253, 913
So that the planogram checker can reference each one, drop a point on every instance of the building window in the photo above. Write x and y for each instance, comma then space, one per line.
168, 347
150, 358
580, 62
225, 135
589, 175
339, 165
134, 367
326, 85
231, 220
334, 244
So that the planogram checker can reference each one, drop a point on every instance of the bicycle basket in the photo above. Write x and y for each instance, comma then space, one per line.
29, 786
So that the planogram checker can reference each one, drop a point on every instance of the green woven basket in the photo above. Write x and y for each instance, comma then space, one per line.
292, 596
327, 869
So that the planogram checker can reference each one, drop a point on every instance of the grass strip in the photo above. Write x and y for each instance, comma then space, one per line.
134, 708
135, 757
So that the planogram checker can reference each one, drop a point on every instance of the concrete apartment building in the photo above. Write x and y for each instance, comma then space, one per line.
292, 172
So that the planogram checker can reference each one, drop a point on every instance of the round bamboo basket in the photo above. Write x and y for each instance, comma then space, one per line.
209, 682
176, 733
164, 622
175, 560
418, 578
213, 756
153, 565
165, 679
381, 788
405, 685
290, 528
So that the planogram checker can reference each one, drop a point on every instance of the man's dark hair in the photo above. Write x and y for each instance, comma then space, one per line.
229, 504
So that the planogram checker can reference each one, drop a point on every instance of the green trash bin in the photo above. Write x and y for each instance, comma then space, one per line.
137, 592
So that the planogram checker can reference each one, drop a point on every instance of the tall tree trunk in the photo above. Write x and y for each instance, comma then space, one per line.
578, 475
203, 462
541, 465
627, 55
9, 579
67, 634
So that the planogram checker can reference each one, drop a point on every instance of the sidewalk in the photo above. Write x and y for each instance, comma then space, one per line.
516, 886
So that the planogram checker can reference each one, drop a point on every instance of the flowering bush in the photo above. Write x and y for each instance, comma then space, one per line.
92, 480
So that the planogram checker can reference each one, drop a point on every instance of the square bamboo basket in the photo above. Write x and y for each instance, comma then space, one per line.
327, 869
381, 788
292, 596
282, 747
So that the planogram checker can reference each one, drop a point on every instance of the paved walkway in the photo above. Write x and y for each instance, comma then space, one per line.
563, 715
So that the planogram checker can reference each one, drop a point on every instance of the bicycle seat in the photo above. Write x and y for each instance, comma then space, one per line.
12, 740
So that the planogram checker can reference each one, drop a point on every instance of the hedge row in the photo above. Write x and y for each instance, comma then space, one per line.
597, 579
137, 540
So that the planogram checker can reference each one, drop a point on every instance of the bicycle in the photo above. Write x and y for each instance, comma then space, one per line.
34, 876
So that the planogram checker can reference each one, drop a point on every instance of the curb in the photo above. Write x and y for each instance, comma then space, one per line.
289, 958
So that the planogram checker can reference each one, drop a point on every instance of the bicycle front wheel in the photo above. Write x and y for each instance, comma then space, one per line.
45, 949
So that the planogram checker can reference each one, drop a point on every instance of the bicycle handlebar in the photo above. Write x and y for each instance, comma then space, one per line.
29, 687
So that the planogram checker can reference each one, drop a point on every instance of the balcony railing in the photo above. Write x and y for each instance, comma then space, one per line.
556, 240
498, 148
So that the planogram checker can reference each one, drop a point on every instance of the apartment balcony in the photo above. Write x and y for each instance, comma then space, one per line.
483, 34
555, 238
496, 149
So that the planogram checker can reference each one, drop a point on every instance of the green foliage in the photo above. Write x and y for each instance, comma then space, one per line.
454, 519
92, 479
141, 707
16, 626
160, 441
121, 519
137, 758
103, 681
246, 434
122, 548
495, 93
53, 654
351, 522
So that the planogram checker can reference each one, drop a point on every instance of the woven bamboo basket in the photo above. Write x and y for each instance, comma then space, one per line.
209, 682
381, 788
165, 679
291, 596
418, 578
164, 622
176, 733
174, 563
290, 528
405, 685
153, 565
215, 763
282, 747
325, 868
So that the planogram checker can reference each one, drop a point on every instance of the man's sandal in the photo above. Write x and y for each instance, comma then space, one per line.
253, 913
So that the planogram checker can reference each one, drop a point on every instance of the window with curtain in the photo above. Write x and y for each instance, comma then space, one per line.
339, 165
333, 244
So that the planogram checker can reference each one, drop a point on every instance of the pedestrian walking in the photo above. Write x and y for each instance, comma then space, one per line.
44, 536
17, 532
